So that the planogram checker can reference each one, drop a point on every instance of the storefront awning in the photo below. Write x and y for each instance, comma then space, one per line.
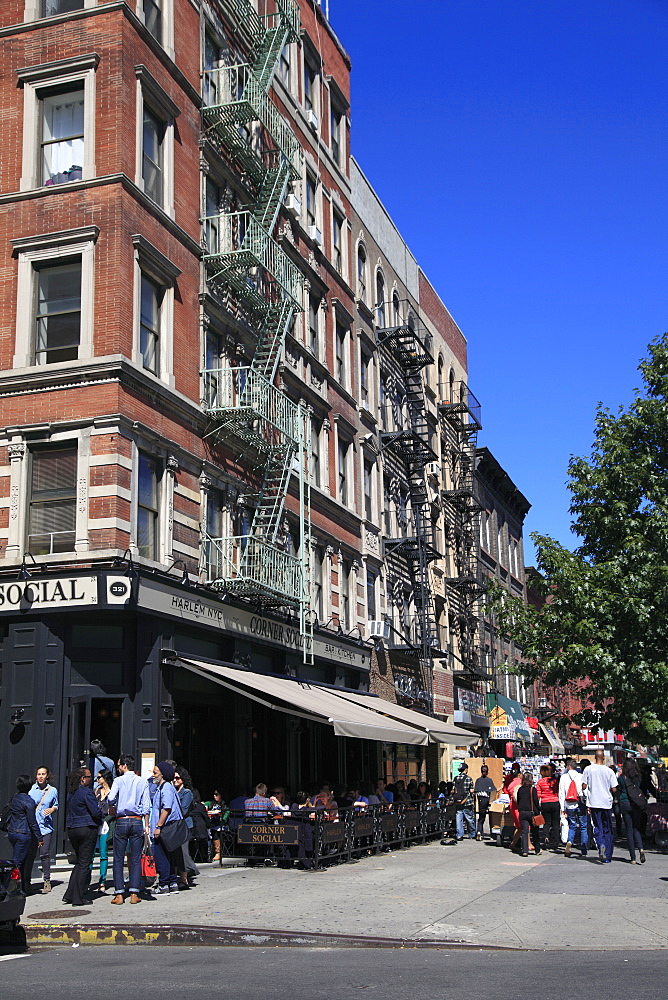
308, 701
508, 719
438, 732
552, 737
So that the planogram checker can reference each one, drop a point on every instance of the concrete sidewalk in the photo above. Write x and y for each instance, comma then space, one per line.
474, 893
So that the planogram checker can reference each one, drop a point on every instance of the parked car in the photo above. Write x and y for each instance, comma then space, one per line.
12, 905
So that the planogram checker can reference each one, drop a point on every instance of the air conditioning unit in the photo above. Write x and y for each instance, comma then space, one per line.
293, 205
312, 120
315, 234
379, 630
433, 469
542, 702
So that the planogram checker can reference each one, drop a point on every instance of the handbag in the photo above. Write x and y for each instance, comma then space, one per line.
538, 820
635, 795
174, 834
148, 867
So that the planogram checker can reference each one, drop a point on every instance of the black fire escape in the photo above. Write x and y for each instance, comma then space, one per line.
461, 411
404, 342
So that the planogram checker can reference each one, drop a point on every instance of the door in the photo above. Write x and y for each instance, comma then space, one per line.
93, 719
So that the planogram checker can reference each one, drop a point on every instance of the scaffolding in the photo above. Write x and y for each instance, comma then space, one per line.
461, 412
405, 342
249, 414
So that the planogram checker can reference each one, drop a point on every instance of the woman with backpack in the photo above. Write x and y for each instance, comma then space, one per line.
633, 804
23, 830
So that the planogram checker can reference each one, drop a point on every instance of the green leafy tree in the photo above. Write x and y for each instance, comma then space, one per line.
606, 616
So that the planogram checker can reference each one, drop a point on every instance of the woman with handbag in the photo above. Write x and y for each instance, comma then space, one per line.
84, 819
23, 830
548, 795
633, 804
528, 808
102, 788
169, 830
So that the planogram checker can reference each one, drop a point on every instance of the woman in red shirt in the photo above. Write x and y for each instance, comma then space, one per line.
548, 796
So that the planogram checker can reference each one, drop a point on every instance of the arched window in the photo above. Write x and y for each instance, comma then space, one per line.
361, 272
380, 300
441, 383
396, 309
451, 380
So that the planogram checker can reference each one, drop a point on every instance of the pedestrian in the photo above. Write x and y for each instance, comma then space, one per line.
547, 788
218, 812
199, 838
511, 783
528, 807
600, 784
166, 811
23, 830
130, 800
45, 797
84, 819
102, 788
632, 804
573, 804
464, 801
186, 867
98, 761
483, 790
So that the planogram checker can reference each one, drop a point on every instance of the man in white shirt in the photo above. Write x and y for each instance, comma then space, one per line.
600, 782
572, 790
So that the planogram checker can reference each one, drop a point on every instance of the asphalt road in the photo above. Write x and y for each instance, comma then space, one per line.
286, 974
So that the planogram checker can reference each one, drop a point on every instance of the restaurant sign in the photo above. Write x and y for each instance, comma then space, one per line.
470, 701
508, 721
264, 833
50, 594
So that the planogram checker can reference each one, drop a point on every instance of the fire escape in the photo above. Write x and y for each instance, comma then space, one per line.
404, 342
461, 509
249, 415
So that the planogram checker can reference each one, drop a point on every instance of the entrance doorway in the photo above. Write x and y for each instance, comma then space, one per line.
93, 719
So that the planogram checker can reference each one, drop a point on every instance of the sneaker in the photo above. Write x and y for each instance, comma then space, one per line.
633, 861
567, 849
601, 854
47, 885
174, 887
642, 858
160, 890
607, 861
478, 837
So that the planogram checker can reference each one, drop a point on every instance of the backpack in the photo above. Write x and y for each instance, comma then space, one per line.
635, 795
4, 817
572, 794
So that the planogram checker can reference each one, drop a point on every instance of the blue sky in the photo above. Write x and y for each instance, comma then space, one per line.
521, 147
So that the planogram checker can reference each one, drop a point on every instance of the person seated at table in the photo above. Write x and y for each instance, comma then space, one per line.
326, 801
400, 793
424, 792
385, 795
367, 791
278, 799
359, 802
260, 806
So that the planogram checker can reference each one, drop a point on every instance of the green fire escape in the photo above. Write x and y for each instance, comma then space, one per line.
404, 341
248, 413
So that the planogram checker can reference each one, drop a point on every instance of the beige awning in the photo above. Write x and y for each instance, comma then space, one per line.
553, 737
309, 701
438, 731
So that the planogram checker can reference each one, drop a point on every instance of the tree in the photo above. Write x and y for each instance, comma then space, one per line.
606, 616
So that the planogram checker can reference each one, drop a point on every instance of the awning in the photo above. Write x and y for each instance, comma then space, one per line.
552, 737
508, 719
439, 732
308, 701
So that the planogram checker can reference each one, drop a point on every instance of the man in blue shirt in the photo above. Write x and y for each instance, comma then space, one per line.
98, 761
45, 797
130, 799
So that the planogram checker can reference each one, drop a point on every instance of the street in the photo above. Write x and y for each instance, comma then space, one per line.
320, 974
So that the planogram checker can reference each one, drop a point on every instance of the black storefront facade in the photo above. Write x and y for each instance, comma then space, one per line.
95, 656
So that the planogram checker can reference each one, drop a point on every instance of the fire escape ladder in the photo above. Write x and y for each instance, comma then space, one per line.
247, 411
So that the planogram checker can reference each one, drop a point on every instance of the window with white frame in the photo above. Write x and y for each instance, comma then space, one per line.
396, 309
361, 272
365, 380
58, 122
311, 81
345, 578
149, 472
368, 490
337, 240
284, 66
55, 297
158, 16
336, 134
316, 465
343, 485
50, 8
311, 212
155, 140
318, 582
214, 55
314, 324
388, 526
53, 498
380, 300
341, 353
371, 595
155, 280
212, 201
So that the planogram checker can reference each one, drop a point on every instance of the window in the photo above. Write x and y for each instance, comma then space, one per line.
52, 513
345, 571
52, 7
371, 595
62, 134
310, 87
365, 388
310, 201
316, 430
383, 399
396, 309
341, 348
212, 216
153, 18
361, 272
147, 506
152, 156
149, 330
335, 130
318, 577
313, 325
380, 300
343, 471
337, 240
58, 316
368, 490
284, 67
212, 61
387, 507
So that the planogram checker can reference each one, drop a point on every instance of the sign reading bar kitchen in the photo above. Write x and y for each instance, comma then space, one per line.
38, 595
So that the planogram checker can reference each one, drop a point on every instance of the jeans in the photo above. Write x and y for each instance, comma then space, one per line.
164, 862
631, 817
527, 827
128, 837
483, 809
604, 835
577, 819
24, 849
82, 839
551, 812
465, 815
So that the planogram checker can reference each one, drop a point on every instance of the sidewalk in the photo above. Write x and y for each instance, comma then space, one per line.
473, 893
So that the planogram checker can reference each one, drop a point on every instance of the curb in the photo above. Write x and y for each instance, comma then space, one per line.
182, 935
